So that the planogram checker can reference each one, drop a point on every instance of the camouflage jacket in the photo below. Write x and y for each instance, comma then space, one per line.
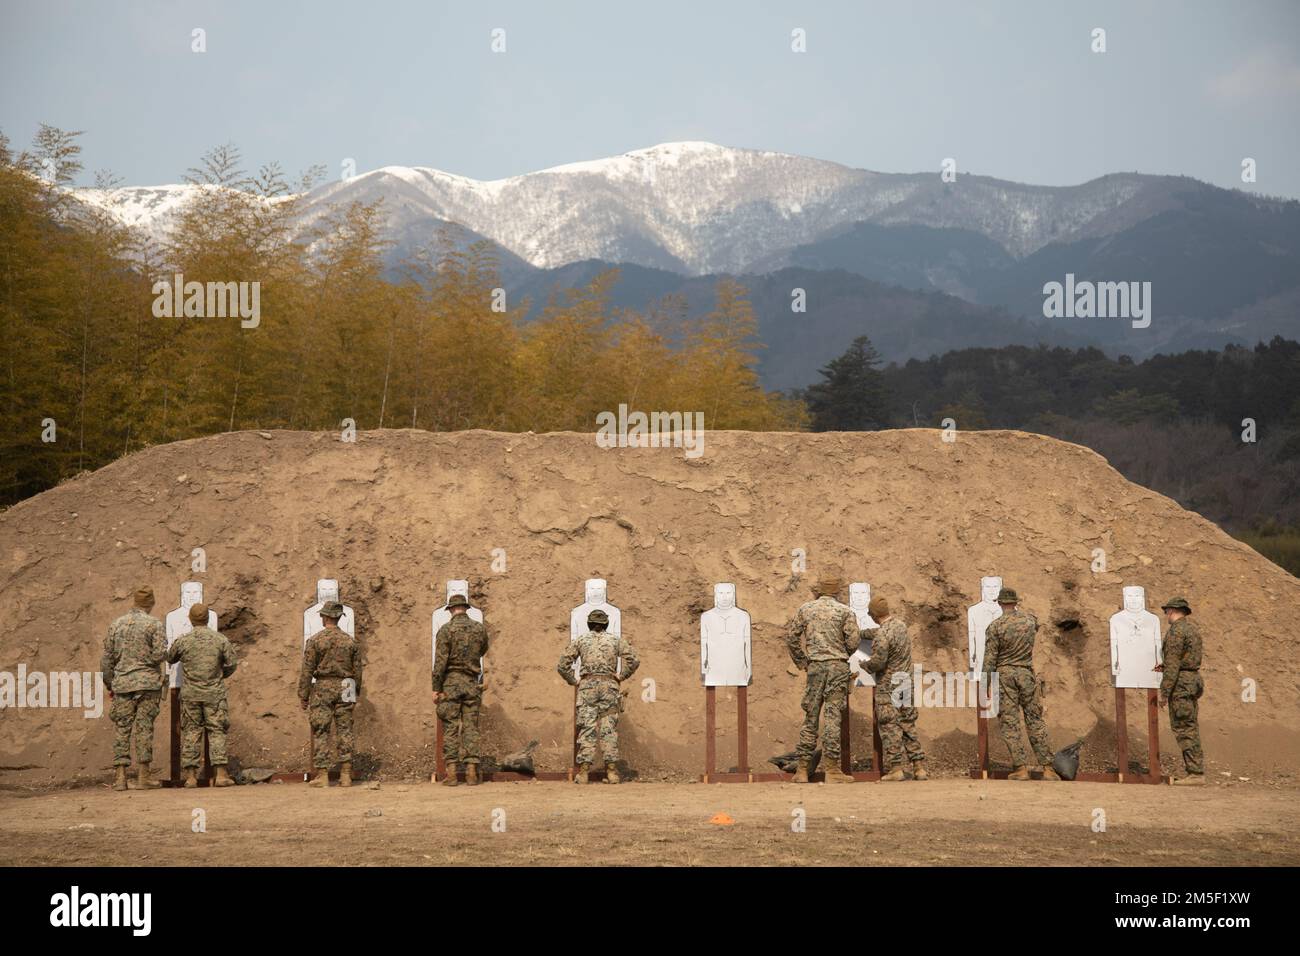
1181, 652
460, 644
331, 653
600, 652
133, 653
822, 630
206, 660
1009, 641
891, 653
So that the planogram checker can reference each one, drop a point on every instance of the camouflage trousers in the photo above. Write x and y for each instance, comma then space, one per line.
196, 717
1018, 691
458, 710
825, 696
325, 706
897, 728
1184, 707
133, 714
599, 704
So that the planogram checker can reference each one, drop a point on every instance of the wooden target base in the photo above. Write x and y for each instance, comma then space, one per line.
742, 773
1122, 774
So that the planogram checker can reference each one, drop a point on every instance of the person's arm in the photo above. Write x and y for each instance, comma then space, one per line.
358, 665
630, 660
309, 658
565, 667
108, 662
1173, 661
228, 659
794, 641
174, 652
991, 642
875, 664
157, 643
850, 632
441, 649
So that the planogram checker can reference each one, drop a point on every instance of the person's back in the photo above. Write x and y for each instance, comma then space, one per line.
829, 629
466, 641
1012, 638
207, 658
599, 652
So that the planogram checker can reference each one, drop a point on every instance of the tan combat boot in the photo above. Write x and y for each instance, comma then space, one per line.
322, 778
833, 773
801, 775
894, 775
1020, 773
611, 774
1191, 780
142, 781
919, 771
191, 780
223, 778
1049, 773
471, 774
345, 774
580, 775
449, 777
119, 777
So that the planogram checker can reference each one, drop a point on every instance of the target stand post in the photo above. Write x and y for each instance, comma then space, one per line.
846, 742
981, 771
1122, 774
742, 773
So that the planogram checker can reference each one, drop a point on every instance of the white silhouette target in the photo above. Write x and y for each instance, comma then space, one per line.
1135, 643
443, 614
597, 600
859, 599
978, 618
178, 624
725, 642
327, 589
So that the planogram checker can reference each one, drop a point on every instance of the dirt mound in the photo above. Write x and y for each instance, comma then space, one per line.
397, 513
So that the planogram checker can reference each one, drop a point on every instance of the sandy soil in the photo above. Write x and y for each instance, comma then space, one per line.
953, 822
396, 514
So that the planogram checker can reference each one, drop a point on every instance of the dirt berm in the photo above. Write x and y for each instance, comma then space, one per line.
397, 513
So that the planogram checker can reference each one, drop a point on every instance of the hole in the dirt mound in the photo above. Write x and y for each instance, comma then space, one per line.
241, 625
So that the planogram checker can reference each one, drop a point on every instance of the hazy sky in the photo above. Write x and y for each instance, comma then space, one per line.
1008, 89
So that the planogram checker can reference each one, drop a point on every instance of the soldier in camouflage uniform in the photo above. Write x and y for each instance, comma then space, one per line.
131, 666
333, 658
1009, 650
1181, 687
821, 636
891, 665
206, 660
599, 699
457, 693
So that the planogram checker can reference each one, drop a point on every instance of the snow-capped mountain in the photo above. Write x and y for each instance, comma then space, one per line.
699, 208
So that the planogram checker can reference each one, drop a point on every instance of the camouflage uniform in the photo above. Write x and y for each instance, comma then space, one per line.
1009, 650
1181, 685
207, 659
891, 665
461, 643
829, 630
599, 699
332, 657
133, 654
